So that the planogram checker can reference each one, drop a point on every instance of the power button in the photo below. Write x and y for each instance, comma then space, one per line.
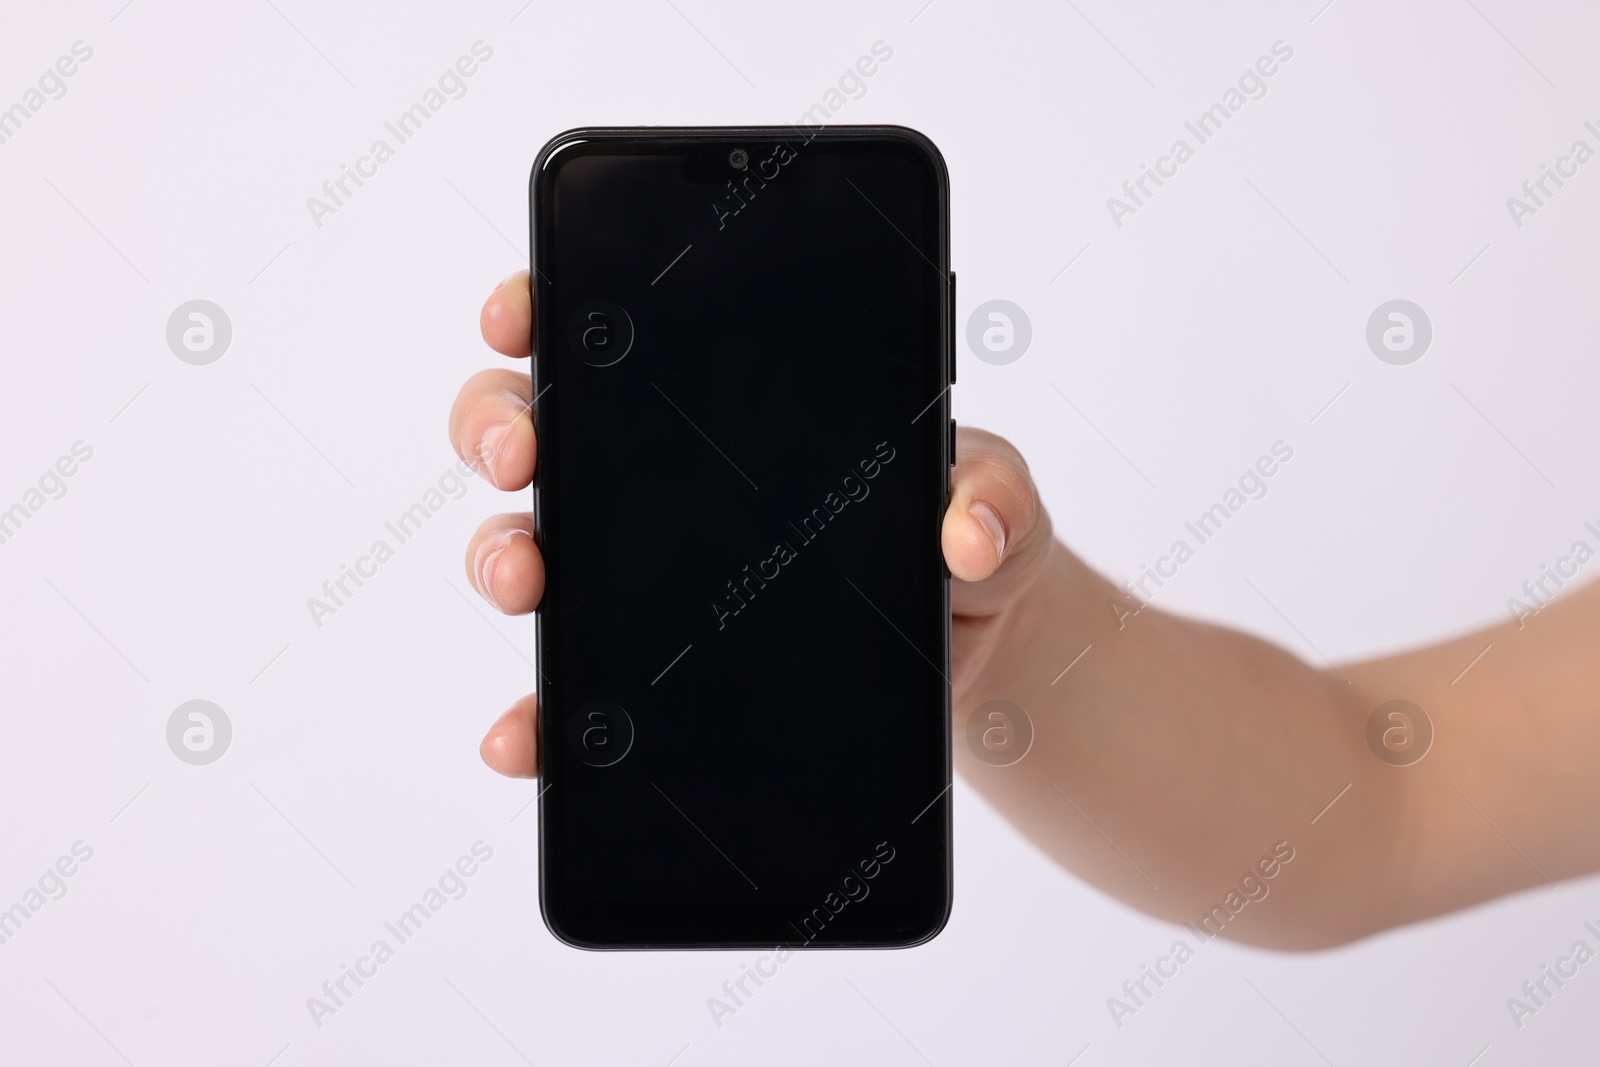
952, 442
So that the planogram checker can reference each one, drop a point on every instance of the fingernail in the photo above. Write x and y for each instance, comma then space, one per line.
503, 281
490, 553
486, 573
489, 450
989, 519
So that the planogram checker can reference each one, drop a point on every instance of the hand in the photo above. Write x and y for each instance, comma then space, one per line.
1177, 754
996, 537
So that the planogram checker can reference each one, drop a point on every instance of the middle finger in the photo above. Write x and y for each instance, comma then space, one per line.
492, 430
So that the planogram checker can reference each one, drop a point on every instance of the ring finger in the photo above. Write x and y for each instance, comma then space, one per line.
504, 565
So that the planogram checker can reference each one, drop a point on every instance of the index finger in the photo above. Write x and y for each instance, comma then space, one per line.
507, 317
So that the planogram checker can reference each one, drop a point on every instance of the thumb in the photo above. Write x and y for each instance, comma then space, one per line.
995, 533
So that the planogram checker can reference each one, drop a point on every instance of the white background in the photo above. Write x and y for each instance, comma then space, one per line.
1222, 317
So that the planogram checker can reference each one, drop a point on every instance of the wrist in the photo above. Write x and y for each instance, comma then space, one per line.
1055, 610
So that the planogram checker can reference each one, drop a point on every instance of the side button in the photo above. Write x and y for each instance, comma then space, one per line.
952, 327
952, 442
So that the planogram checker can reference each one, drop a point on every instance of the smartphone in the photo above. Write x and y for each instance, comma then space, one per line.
744, 348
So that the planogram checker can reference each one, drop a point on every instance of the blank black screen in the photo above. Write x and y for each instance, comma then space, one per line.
741, 380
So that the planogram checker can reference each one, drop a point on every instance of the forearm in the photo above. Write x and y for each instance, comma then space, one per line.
1172, 762
1174, 755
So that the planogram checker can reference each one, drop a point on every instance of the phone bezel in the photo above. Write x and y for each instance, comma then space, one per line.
618, 140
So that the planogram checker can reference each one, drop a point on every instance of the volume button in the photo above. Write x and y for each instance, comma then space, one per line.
952, 328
